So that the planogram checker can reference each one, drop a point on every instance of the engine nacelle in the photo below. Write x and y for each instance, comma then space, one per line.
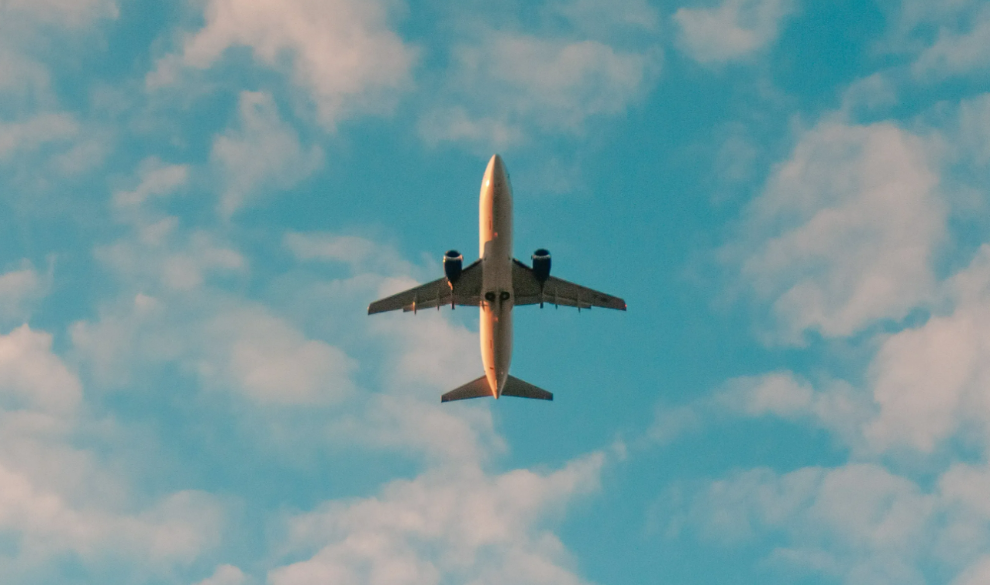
541, 265
452, 265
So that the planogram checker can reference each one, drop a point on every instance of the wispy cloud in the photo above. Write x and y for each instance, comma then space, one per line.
733, 31
855, 523
505, 84
260, 156
343, 52
459, 524
846, 231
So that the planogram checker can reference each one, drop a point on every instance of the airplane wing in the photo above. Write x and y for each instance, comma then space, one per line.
557, 291
466, 291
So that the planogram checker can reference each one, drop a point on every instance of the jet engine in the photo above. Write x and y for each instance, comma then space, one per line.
452, 263
541, 265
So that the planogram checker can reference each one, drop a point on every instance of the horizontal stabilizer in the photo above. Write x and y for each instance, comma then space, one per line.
516, 387
476, 389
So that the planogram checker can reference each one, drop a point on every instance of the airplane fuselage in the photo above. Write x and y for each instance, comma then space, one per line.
495, 215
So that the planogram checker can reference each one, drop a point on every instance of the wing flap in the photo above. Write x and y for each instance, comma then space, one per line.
557, 291
467, 291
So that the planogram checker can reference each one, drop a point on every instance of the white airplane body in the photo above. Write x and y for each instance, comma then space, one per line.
496, 283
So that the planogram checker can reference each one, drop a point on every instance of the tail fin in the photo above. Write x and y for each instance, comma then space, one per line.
513, 387
476, 389
516, 387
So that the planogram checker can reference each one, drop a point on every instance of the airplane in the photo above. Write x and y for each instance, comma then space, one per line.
496, 282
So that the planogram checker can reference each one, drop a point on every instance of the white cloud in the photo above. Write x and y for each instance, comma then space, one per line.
31, 376
836, 406
225, 575
978, 574
56, 499
503, 85
869, 93
446, 524
176, 530
19, 289
228, 343
270, 361
599, 18
156, 180
169, 311
361, 254
263, 155
858, 523
163, 255
974, 128
962, 46
35, 132
733, 31
670, 423
21, 76
930, 381
343, 52
845, 232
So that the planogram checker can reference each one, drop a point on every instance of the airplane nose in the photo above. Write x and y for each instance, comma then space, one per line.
496, 166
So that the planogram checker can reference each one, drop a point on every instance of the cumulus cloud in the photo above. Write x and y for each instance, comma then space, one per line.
845, 232
225, 575
31, 376
56, 499
176, 530
858, 523
930, 381
447, 524
343, 52
271, 361
733, 31
261, 156
227, 343
169, 312
963, 42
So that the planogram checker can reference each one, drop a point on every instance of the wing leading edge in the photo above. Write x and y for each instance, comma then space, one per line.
466, 292
557, 291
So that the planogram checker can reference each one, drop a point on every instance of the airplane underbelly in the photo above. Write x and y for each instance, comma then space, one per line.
496, 252
496, 342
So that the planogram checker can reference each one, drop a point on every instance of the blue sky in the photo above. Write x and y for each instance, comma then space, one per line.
198, 199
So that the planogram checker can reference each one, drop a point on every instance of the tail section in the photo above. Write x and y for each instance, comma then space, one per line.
476, 389
513, 387
516, 387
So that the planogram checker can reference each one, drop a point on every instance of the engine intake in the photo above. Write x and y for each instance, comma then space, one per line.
541, 265
452, 265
